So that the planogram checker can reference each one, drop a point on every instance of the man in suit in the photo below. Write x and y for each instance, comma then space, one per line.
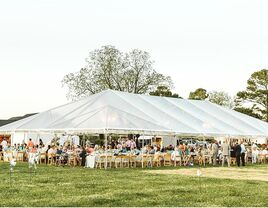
225, 148
214, 151
237, 151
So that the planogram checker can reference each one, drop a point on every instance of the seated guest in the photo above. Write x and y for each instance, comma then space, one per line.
7, 148
19, 147
182, 147
119, 146
116, 151
176, 153
52, 151
151, 150
128, 144
39, 148
34, 149
41, 143
137, 151
144, 150
59, 150
113, 144
124, 149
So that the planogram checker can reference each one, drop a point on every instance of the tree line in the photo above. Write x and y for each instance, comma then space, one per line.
109, 68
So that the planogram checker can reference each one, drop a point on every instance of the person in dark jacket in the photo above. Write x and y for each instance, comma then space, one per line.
237, 151
83, 155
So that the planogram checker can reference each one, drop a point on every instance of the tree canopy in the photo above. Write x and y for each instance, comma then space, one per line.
221, 98
256, 95
198, 94
164, 91
109, 68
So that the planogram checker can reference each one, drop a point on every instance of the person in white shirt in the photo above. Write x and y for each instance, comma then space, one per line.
4, 144
255, 153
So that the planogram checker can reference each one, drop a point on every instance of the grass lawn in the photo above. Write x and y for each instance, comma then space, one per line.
67, 186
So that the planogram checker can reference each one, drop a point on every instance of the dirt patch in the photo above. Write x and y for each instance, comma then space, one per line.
224, 173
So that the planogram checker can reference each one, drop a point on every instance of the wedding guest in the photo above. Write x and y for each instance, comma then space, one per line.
4, 143
255, 153
83, 156
30, 144
225, 149
237, 151
243, 152
214, 152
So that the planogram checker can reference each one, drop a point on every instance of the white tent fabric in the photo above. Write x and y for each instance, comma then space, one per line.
120, 112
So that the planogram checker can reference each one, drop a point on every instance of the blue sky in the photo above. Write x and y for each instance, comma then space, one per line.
211, 44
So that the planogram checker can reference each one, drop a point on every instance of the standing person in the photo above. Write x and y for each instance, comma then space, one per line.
225, 148
41, 143
30, 144
113, 144
237, 151
83, 156
243, 151
4, 143
255, 152
215, 151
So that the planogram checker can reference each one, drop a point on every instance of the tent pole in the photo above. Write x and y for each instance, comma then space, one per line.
38, 138
142, 150
84, 140
105, 135
23, 138
175, 159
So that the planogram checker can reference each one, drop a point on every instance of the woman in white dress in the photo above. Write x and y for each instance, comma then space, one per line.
91, 158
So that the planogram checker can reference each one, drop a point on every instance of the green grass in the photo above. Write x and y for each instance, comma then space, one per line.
67, 186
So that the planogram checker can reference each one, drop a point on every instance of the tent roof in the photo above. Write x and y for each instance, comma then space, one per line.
120, 112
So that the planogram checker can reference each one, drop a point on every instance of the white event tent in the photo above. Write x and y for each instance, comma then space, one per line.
114, 112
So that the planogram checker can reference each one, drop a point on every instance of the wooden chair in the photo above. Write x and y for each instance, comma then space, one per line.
100, 161
117, 161
109, 161
20, 156
72, 160
232, 161
248, 157
177, 159
58, 160
144, 161
150, 160
262, 158
125, 161
50, 159
133, 161
167, 159
7, 156
156, 160
43, 157
139, 161
1, 156
201, 160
